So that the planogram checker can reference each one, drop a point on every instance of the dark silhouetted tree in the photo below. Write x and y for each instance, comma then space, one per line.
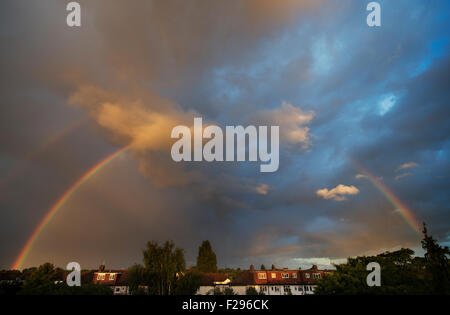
188, 283
401, 273
251, 291
206, 259
436, 264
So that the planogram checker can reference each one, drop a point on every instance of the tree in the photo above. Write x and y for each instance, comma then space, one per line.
251, 291
206, 259
436, 264
225, 291
47, 280
138, 277
188, 283
85, 289
401, 273
228, 291
163, 264
40, 280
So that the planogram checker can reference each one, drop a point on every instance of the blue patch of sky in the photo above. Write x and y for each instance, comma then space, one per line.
435, 49
321, 224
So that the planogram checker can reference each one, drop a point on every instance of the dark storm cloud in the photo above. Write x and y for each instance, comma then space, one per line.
135, 70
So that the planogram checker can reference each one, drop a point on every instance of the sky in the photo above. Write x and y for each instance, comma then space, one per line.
364, 136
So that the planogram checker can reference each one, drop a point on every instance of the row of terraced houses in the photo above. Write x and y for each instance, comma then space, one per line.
270, 282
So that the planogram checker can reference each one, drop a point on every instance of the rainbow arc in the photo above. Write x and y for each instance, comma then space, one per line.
60, 202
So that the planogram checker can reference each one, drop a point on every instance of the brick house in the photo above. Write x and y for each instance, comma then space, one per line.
116, 279
272, 282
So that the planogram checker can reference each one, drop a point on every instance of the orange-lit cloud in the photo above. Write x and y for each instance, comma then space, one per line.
337, 193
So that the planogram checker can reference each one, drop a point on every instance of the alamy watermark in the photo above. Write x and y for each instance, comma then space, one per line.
74, 277
374, 277
213, 150
74, 16
374, 17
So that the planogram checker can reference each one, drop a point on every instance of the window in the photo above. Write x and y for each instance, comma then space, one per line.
111, 276
274, 275
307, 275
262, 275
117, 289
294, 275
317, 275
286, 288
300, 289
101, 276
284, 275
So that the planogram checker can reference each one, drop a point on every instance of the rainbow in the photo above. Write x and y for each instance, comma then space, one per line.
407, 214
61, 201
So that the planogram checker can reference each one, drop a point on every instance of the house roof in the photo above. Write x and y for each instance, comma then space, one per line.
278, 277
208, 279
120, 277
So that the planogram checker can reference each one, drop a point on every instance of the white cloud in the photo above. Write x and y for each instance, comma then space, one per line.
407, 165
337, 193
402, 176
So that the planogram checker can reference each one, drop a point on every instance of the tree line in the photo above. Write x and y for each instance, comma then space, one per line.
164, 272
401, 273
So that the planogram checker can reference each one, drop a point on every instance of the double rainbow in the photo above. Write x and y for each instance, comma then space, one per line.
398, 204
61, 201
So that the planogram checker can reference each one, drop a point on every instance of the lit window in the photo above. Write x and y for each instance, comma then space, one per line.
262, 275
111, 276
274, 275
307, 275
284, 275
316, 275
101, 276
294, 275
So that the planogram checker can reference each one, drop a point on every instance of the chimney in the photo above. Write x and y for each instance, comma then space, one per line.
252, 268
101, 268
273, 267
314, 267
